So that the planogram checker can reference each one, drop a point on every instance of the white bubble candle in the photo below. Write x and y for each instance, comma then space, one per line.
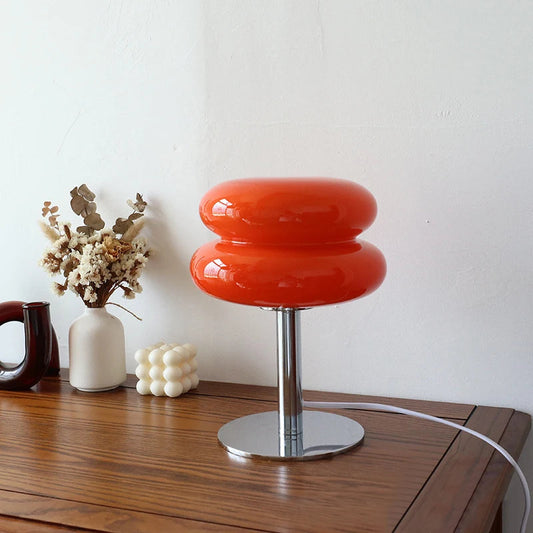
166, 369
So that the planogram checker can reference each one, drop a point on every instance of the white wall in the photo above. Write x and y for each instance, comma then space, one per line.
426, 103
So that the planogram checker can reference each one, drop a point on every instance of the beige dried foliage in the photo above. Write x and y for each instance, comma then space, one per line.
133, 231
48, 231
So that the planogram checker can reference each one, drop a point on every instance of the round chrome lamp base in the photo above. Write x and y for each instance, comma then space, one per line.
324, 435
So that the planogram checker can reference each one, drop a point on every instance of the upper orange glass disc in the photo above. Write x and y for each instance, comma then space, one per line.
288, 210
288, 242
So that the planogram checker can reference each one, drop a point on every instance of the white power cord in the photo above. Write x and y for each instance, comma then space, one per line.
393, 409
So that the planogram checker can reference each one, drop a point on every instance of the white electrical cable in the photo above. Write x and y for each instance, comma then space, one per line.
400, 410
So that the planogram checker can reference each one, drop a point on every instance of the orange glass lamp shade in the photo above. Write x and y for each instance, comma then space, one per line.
288, 242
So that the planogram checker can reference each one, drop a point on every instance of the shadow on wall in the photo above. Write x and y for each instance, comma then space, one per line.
172, 288
168, 267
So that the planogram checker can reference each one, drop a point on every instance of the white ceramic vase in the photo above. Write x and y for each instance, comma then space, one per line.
97, 352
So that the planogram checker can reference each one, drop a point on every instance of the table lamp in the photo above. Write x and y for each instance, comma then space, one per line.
288, 244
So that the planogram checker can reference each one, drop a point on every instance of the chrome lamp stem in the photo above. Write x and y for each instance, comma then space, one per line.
290, 409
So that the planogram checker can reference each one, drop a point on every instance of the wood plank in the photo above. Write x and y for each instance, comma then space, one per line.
497, 524
269, 394
483, 506
160, 456
440, 409
444, 499
15, 525
51, 514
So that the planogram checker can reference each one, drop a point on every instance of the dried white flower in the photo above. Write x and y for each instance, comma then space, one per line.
95, 265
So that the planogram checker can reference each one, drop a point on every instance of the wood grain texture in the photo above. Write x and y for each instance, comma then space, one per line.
444, 499
74, 515
483, 507
269, 394
118, 461
16, 525
497, 524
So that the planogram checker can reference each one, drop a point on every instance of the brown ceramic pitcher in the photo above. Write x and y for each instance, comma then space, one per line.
42, 354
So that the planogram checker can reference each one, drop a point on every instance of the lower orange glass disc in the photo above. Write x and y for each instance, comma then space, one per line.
288, 277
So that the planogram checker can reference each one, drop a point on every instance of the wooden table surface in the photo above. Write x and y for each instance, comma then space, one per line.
117, 461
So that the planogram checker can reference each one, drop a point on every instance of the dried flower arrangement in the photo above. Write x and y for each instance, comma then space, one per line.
95, 261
